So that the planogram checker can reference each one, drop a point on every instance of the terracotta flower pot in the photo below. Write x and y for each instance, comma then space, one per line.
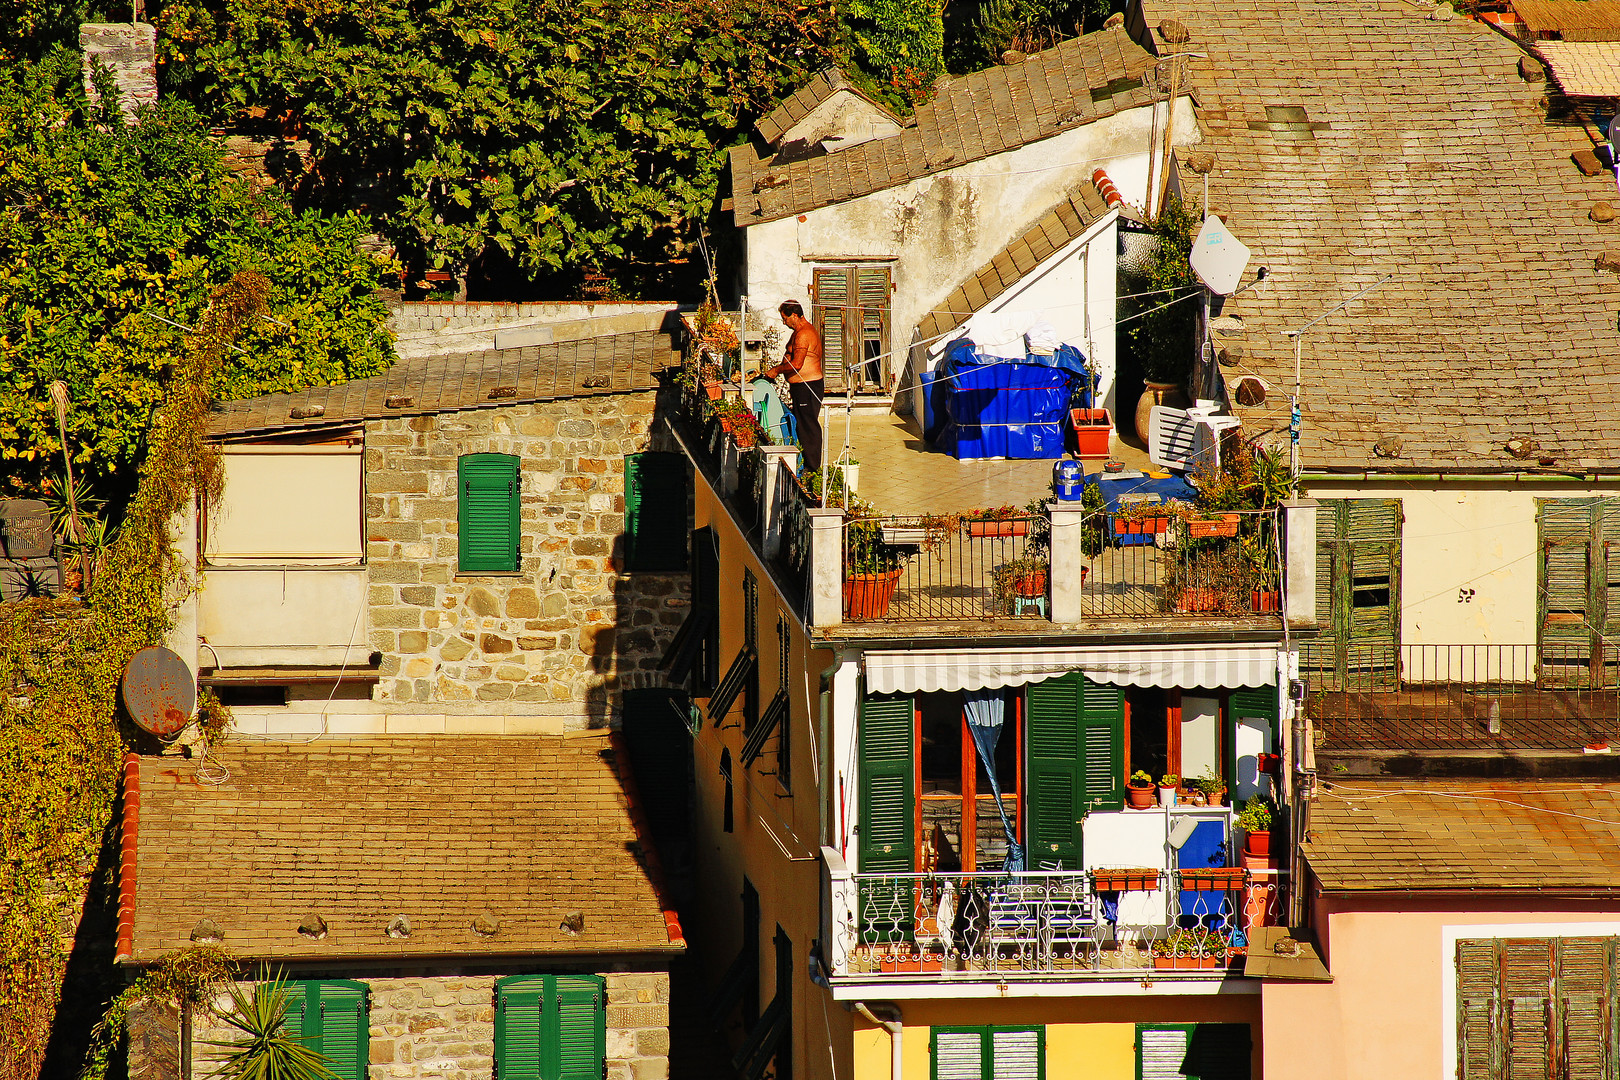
1225, 525
1259, 843
1156, 394
1154, 525
867, 596
1266, 600
1139, 798
1091, 430
1030, 584
1199, 598
1142, 879
712, 388
997, 528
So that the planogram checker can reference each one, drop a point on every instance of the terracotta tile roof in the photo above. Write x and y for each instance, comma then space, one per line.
1070, 218
969, 118
1422, 153
1584, 68
1459, 834
799, 104
438, 829
1576, 20
611, 364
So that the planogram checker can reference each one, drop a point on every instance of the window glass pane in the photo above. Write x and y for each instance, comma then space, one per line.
941, 743
1150, 749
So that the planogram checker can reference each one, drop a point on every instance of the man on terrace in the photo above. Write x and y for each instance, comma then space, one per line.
801, 363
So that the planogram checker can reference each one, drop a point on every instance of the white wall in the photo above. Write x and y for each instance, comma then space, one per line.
1469, 554
283, 616
937, 230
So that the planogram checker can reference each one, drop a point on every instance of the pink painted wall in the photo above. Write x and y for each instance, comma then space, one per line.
1384, 1012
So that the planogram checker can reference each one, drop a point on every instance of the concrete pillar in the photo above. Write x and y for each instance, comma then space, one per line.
781, 463
838, 915
1068, 561
826, 567
1299, 562
730, 456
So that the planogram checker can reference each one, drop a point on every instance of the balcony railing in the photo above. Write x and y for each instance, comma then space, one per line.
1372, 697
1044, 924
944, 569
1155, 567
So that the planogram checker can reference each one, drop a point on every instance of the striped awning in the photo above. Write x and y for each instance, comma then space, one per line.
1202, 666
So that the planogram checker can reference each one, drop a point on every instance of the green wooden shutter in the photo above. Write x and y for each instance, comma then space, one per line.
1017, 1054
1574, 594
1585, 1026
1102, 743
1358, 586
958, 1054
1055, 776
519, 1009
487, 506
886, 798
578, 1039
1161, 1051
873, 291
345, 1030
1526, 1003
295, 1021
655, 499
831, 300
1477, 1051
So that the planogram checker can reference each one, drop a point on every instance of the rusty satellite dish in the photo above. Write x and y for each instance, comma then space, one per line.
159, 692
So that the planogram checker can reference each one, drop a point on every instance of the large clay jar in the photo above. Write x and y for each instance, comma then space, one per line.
1154, 393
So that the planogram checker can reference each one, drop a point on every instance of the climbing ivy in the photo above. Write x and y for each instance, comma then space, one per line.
60, 665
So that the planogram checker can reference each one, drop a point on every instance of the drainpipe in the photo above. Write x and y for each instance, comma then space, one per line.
896, 1029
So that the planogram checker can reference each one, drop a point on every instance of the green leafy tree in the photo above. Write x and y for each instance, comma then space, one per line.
901, 42
113, 233
547, 138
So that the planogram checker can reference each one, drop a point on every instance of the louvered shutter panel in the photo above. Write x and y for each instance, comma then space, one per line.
1526, 998
1328, 536
580, 1027
1255, 702
1568, 570
294, 1020
873, 292
1055, 782
1477, 1051
959, 1055
1102, 734
345, 1032
1160, 1053
1585, 1017
1371, 565
831, 300
655, 497
886, 783
519, 1005
487, 506
1016, 1055
887, 805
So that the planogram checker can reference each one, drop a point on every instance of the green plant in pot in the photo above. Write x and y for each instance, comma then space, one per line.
1212, 786
872, 566
1255, 820
1139, 790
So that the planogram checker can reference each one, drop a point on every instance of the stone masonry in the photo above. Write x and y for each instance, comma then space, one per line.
568, 630
443, 1028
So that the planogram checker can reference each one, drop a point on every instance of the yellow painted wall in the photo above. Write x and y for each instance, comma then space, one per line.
775, 840
1093, 1038
1465, 536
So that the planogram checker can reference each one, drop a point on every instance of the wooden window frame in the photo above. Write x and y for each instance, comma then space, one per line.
852, 320
968, 833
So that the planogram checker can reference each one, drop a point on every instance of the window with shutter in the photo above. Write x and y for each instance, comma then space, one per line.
1076, 749
851, 310
550, 1027
656, 490
1536, 1007
886, 811
1579, 591
1193, 1051
330, 1018
487, 507
988, 1053
1358, 585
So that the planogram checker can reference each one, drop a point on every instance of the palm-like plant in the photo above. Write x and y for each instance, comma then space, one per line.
266, 1050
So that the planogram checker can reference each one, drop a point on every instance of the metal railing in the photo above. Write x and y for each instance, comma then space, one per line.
922, 569
1101, 924
1168, 565
1552, 696
796, 504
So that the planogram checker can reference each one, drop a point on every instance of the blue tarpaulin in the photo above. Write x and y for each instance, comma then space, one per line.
1000, 408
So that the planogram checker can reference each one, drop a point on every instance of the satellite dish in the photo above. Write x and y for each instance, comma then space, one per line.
1217, 257
159, 692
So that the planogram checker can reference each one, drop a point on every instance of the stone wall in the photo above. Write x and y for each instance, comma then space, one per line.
568, 629
444, 1029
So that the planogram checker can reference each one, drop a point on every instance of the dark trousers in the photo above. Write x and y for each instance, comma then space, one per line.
807, 417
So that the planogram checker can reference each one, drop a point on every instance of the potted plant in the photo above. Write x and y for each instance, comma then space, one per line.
1259, 550
1212, 786
740, 423
1132, 879
1255, 821
996, 521
1167, 789
1092, 427
871, 565
1139, 790
1141, 518
1187, 949
1202, 524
